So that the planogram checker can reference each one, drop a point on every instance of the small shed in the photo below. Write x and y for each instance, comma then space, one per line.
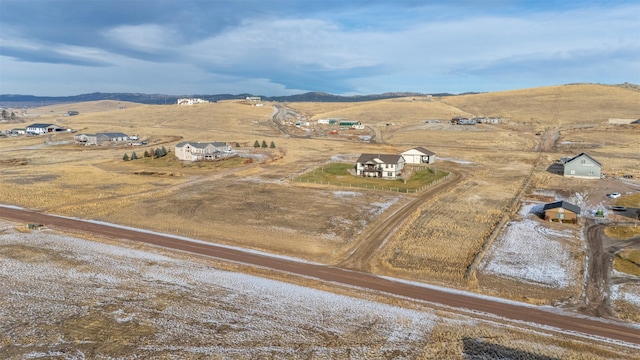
561, 211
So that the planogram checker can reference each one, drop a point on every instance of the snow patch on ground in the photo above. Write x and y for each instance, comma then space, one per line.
346, 194
344, 157
626, 292
457, 161
531, 252
262, 181
208, 311
380, 207
530, 208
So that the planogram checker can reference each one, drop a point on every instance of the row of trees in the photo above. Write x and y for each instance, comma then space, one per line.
264, 144
153, 154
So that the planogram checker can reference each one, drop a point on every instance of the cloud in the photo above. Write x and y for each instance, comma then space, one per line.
338, 47
146, 38
28, 50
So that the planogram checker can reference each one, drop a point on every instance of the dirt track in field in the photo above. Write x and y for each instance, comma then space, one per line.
601, 252
373, 239
509, 310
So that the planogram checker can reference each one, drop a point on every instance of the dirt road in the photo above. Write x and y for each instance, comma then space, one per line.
375, 236
509, 310
601, 252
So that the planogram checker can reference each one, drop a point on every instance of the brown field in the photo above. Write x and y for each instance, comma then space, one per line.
254, 203
554, 106
628, 261
108, 299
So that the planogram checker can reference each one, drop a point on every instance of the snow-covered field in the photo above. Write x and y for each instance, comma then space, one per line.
629, 293
184, 308
63, 297
533, 252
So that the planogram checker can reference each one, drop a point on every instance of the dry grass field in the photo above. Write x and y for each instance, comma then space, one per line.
255, 204
554, 106
104, 299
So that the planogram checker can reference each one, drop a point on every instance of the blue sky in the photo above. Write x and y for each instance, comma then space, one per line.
283, 47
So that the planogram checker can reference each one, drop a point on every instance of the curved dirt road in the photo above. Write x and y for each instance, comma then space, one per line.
509, 310
373, 238
601, 253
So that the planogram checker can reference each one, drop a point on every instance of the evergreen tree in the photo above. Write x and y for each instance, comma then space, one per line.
164, 151
273, 145
4, 113
146, 154
134, 156
125, 157
237, 144
158, 153
256, 144
264, 144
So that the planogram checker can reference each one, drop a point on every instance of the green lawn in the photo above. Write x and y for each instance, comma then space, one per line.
338, 174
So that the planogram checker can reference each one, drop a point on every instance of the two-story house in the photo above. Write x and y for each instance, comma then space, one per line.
196, 151
380, 165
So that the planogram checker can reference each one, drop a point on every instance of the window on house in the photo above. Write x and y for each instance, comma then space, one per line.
583, 161
573, 172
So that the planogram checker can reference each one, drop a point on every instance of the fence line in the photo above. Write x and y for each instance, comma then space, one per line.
376, 187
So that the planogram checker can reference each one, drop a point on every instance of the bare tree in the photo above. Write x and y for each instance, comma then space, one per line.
406, 174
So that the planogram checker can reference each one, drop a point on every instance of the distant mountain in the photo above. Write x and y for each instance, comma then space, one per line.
9, 100
324, 97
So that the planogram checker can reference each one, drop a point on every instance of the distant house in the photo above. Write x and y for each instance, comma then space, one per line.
561, 211
115, 136
380, 165
100, 138
197, 151
419, 155
42, 128
191, 101
349, 123
18, 131
582, 166
461, 120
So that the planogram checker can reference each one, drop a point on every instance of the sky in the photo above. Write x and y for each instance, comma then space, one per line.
285, 47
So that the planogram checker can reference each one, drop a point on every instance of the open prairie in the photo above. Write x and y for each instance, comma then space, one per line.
253, 202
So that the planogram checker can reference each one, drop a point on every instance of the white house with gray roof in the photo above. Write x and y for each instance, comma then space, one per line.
42, 128
386, 166
197, 151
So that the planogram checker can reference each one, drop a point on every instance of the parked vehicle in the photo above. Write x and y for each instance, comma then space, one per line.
614, 195
618, 208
